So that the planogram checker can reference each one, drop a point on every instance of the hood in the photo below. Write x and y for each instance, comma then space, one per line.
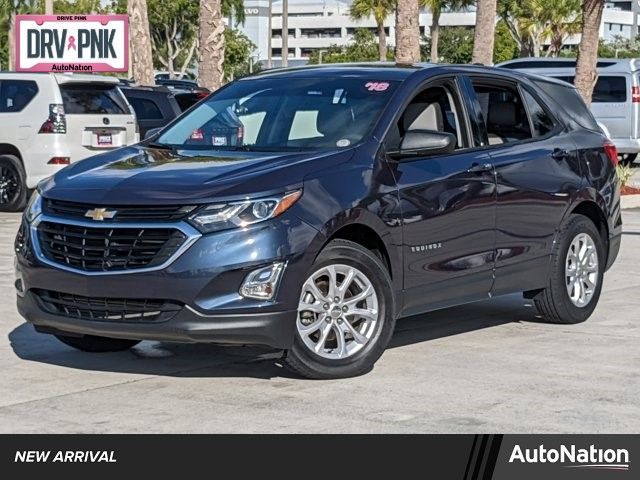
142, 175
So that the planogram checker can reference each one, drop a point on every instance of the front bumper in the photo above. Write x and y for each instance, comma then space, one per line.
273, 329
205, 280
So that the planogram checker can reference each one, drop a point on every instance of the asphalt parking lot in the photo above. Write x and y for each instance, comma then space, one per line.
489, 367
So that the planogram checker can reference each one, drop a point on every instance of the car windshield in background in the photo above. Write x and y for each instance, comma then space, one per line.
92, 99
277, 114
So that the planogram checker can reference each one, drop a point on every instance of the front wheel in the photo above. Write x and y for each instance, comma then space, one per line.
345, 314
577, 272
92, 343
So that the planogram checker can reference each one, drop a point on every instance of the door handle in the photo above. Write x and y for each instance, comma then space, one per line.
480, 168
560, 154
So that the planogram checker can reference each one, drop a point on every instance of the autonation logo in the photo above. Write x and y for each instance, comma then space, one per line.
573, 457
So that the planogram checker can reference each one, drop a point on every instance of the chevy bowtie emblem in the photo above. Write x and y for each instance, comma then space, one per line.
99, 214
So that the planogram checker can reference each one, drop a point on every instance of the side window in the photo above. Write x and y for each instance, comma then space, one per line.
607, 89
432, 109
504, 113
145, 109
16, 94
541, 121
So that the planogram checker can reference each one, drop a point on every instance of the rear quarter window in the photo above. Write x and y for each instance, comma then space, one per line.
569, 99
16, 94
93, 99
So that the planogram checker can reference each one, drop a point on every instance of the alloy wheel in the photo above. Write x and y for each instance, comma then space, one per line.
338, 311
9, 185
581, 270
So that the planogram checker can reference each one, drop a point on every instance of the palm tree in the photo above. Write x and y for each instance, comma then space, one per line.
562, 20
211, 40
531, 22
140, 39
379, 10
436, 7
407, 31
586, 74
483, 37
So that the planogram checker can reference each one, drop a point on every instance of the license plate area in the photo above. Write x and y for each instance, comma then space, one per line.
104, 139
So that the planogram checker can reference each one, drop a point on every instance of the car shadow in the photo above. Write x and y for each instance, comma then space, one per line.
208, 360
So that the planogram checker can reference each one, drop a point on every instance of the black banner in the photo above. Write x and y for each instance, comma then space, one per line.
460, 457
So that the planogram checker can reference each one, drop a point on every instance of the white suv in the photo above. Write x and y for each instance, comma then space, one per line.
49, 120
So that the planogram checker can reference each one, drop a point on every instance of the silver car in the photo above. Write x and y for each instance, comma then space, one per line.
616, 96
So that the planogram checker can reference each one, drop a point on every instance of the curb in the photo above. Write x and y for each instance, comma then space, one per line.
629, 201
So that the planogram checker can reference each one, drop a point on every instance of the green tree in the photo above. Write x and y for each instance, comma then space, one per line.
456, 45
379, 10
238, 60
505, 47
174, 34
436, 7
364, 48
532, 22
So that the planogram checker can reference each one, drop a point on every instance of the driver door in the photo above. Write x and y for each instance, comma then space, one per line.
448, 204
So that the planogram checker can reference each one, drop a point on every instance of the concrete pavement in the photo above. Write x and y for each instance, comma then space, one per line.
485, 367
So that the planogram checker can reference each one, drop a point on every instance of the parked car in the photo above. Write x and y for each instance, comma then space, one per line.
155, 107
616, 96
358, 195
189, 85
51, 120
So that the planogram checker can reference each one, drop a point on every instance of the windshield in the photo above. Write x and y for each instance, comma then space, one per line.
283, 114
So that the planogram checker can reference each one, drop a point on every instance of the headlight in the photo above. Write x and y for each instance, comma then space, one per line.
222, 216
34, 208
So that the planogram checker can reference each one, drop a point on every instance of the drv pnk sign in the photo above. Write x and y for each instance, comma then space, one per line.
72, 43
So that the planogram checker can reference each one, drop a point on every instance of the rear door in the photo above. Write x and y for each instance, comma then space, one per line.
537, 175
98, 117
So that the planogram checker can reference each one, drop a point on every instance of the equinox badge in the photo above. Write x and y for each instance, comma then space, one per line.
99, 214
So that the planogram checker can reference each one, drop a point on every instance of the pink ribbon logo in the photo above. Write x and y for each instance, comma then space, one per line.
72, 43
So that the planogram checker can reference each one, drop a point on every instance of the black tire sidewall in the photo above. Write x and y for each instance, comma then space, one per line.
20, 201
352, 254
569, 312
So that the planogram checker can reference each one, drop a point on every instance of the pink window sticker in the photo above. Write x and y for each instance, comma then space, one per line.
376, 86
197, 135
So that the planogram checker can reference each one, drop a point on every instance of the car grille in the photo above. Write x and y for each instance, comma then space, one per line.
162, 213
107, 309
107, 249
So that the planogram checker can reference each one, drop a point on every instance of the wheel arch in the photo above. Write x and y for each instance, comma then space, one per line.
9, 149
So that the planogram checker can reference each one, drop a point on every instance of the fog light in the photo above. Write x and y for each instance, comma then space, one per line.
261, 284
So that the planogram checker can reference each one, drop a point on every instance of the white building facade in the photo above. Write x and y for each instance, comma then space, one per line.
318, 24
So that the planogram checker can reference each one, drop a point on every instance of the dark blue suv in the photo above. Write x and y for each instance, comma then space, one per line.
307, 209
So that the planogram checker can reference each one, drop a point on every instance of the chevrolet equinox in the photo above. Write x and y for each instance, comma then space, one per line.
307, 209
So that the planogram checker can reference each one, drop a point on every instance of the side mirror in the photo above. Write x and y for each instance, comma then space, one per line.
418, 143
152, 132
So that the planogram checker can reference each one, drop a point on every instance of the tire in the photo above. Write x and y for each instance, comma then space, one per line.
13, 184
353, 343
627, 158
555, 303
91, 343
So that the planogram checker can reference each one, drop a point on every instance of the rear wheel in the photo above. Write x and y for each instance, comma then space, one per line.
345, 314
92, 343
13, 185
576, 273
